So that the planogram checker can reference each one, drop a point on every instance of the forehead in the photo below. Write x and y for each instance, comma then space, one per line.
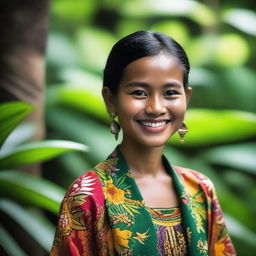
154, 69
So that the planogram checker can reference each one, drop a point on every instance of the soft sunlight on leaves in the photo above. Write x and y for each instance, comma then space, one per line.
176, 29
30, 190
36, 226
209, 127
220, 42
232, 50
94, 45
38, 151
11, 114
240, 156
149, 8
9, 244
242, 19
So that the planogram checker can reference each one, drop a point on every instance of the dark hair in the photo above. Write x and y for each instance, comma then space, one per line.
138, 45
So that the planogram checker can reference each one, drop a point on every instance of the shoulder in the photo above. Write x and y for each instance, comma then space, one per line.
91, 182
193, 177
85, 184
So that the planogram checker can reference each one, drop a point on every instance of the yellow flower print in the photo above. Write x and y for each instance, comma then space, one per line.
194, 191
113, 194
196, 199
219, 249
121, 238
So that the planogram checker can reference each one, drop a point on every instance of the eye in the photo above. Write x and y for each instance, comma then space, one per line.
139, 93
170, 93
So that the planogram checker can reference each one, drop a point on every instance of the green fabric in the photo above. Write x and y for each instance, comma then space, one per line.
142, 219
103, 213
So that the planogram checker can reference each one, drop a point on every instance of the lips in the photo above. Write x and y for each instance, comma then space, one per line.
153, 125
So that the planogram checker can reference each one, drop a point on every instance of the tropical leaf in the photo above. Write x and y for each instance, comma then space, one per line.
128, 25
9, 244
38, 151
232, 50
81, 91
26, 189
38, 227
75, 164
74, 12
241, 182
94, 46
175, 157
242, 19
228, 50
175, 29
82, 100
210, 91
202, 77
80, 78
211, 127
196, 11
120, 181
83, 129
22, 133
238, 230
11, 114
239, 156
61, 52
240, 97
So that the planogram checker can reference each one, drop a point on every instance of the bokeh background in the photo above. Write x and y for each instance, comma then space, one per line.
219, 38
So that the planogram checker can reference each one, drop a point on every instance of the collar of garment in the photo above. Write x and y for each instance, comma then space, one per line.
124, 197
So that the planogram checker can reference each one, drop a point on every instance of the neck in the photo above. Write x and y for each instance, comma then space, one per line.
142, 160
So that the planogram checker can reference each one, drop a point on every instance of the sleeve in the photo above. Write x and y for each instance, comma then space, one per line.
218, 238
82, 227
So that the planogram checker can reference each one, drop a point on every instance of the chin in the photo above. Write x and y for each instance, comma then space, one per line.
153, 143
146, 140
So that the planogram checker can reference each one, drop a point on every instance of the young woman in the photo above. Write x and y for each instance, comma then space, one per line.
135, 202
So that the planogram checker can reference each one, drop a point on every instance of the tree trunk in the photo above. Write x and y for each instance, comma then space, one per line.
23, 26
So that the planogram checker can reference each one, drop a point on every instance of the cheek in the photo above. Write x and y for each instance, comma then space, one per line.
177, 107
128, 112
128, 108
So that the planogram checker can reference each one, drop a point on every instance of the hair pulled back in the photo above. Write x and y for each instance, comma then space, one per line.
138, 45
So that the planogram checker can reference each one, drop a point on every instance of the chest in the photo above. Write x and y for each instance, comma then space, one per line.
158, 193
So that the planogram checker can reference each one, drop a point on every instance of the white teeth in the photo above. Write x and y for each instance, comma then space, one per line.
154, 124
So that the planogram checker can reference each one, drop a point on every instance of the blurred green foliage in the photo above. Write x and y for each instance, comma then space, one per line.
17, 187
219, 37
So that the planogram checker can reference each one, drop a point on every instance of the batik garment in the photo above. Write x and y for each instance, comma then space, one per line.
171, 238
103, 214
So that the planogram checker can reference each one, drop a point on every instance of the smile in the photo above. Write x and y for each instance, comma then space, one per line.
153, 124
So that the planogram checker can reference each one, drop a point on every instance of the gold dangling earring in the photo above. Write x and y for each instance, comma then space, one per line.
114, 126
182, 132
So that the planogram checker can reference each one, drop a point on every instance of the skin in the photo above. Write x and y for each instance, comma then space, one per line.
151, 90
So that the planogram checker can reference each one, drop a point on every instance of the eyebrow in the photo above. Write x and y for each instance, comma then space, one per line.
146, 85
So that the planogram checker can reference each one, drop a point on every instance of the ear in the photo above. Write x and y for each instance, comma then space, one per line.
109, 99
188, 93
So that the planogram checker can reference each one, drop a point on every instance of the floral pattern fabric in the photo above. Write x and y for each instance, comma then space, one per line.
103, 214
170, 232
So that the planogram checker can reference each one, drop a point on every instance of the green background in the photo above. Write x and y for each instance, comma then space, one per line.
219, 38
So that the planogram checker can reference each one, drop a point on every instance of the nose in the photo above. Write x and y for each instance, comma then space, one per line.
155, 106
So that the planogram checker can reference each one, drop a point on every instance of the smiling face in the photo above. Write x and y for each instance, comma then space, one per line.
151, 100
